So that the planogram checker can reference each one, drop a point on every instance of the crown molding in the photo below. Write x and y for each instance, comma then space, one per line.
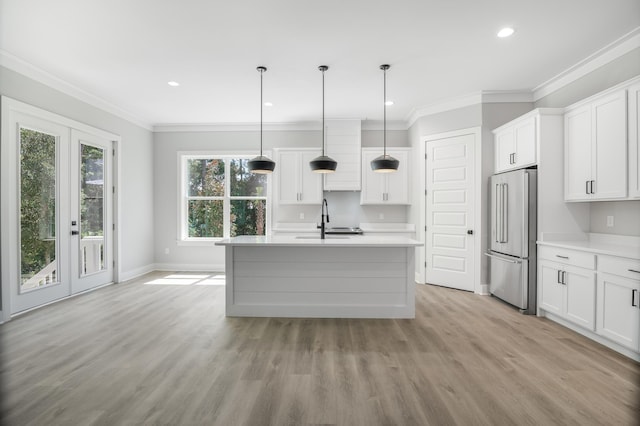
609, 53
306, 126
484, 96
303, 126
23, 67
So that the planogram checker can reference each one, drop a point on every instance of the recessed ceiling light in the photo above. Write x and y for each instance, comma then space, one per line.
173, 83
388, 103
268, 104
506, 32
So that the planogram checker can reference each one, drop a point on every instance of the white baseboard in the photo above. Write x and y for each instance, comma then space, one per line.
135, 273
190, 267
484, 290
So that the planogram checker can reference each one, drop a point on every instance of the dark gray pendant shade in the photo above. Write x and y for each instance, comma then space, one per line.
385, 163
323, 163
261, 164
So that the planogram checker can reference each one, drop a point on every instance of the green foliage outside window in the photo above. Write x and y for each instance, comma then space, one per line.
37, 201
206, 193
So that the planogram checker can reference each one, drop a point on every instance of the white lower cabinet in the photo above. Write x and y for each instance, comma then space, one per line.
600, 293
619, 301
569, 292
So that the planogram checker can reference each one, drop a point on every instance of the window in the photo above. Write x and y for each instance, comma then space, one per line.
220, 198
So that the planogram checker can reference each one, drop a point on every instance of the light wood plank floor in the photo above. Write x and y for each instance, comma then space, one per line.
136, 353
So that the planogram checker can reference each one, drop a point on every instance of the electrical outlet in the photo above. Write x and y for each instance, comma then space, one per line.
381, 216
301, 215
166, 250
610, 221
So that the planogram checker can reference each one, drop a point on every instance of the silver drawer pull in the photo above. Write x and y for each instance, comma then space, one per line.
562, 257
633, 297
633, 270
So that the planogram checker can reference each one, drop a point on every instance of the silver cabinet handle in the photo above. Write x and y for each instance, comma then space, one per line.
633, 270
562, 257
593, 182
633, 297
497, 215
564, 276
559, 277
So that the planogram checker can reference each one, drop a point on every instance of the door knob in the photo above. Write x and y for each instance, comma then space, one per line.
470, 231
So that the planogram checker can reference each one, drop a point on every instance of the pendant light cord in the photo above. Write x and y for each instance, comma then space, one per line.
323, 112
384, 132
261, 107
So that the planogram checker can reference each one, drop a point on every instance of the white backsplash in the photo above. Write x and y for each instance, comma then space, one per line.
344, 210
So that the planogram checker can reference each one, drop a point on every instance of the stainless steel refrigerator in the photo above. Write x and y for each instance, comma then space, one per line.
513, 238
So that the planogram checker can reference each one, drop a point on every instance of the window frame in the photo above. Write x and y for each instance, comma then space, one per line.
184, 198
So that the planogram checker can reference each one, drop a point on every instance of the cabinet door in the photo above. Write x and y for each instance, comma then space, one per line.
580, 285
310, 182
373, 184
504, 148
633, 99
577, 154
397, 186
609, 160
551, 290
287, 170
525, 143
618, 319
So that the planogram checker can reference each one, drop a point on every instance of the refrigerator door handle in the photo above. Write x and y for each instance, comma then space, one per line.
502, 258
505, 213
497, 214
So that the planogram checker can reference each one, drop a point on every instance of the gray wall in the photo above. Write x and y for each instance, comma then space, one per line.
136, 166
625, 213
345, 206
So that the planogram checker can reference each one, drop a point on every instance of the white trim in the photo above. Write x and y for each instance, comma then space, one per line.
609, 53
191, 267
372, 125
481, 97
31, 71
137, 272
303, 126
478, 287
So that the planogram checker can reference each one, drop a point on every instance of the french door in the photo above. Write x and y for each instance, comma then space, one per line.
59, 211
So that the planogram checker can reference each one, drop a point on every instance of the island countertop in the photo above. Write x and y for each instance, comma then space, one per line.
315, 241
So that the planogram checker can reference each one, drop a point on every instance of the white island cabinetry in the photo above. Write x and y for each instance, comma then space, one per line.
339, 277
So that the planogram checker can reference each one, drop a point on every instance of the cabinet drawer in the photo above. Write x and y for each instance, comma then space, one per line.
568, 257
628, 268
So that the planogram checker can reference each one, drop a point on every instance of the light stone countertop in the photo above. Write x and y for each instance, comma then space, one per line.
611, 245
315, 241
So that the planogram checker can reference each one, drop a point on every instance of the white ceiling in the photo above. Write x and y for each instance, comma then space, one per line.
125, 51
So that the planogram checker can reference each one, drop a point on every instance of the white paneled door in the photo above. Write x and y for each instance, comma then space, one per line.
58, 210
450, 199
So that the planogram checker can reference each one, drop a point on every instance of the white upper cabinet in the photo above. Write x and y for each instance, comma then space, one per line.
297, 184
343, 143
385, 188
596, 149
633, 96
516, 144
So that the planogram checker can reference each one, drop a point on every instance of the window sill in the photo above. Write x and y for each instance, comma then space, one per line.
210, 242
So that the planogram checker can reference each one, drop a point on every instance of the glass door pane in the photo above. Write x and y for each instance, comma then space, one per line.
92, 209
38, 207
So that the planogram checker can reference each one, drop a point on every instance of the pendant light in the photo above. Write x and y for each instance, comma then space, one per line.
261, 164
385, 163
323, 164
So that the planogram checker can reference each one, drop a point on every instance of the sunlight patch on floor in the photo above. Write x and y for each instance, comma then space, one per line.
189, 279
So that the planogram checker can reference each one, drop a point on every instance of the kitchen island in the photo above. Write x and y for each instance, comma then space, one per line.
304, 276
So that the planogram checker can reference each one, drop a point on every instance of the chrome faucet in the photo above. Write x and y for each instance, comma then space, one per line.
324, 213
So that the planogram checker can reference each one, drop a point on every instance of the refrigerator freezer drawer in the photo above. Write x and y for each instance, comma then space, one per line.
509, 279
